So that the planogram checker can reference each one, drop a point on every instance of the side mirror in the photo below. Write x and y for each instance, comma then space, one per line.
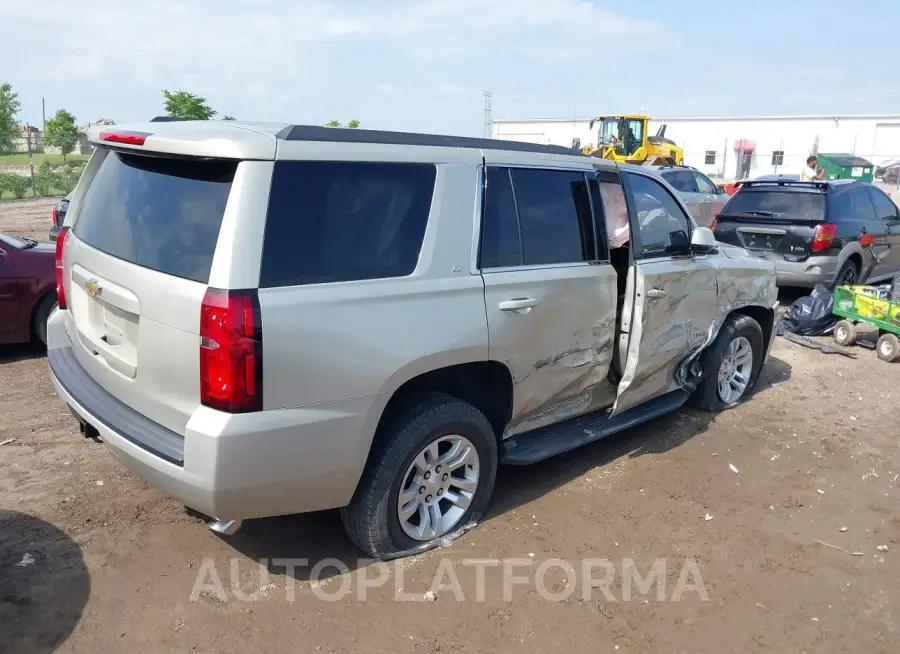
703, 240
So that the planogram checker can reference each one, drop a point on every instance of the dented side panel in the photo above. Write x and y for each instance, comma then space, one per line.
674, 305
559, 348
744, 281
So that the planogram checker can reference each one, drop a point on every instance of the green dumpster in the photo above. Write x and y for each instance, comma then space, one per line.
846, 166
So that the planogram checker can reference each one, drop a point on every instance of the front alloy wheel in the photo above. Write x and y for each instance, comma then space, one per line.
736, 370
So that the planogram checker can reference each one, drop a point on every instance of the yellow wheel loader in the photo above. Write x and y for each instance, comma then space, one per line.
624, 139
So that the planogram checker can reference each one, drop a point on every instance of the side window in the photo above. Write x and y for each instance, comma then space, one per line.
615, 211
332, 222
704, 185
500, 244
555, 218
681, 180
863, 209
885, 209
664, 228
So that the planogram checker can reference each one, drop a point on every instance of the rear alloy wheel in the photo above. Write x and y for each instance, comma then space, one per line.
888, 347
845, 333
438, 487
431, 470
848, 275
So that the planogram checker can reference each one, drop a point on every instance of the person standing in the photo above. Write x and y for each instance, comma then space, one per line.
810, 173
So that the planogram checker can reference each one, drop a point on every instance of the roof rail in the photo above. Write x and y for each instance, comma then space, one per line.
782, 182
345, 135
167, 119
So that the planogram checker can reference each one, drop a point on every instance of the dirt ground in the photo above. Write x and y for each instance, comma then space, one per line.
784, 513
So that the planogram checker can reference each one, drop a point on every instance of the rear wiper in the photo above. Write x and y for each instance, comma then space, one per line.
765, 214
29, 243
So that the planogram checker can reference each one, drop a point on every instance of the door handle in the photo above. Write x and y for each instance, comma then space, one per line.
517, 304
656, 293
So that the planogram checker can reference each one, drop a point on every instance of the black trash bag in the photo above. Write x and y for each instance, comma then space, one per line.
810, 315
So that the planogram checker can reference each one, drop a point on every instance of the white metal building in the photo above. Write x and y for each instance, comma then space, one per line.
739, 147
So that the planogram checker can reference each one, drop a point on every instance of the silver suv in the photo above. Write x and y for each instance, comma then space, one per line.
269, 319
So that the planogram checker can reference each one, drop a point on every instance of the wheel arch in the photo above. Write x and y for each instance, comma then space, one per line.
48, 294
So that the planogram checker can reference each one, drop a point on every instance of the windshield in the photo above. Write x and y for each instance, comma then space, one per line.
777, 204
12, 241
609, 131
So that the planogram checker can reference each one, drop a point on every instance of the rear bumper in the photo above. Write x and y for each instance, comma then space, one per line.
227, 466
815, 270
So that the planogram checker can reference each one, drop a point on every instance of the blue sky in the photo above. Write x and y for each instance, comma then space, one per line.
422, 64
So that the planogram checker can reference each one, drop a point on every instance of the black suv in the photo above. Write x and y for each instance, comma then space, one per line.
829, 232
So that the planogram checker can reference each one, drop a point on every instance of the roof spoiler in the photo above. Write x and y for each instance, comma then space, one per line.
781, 182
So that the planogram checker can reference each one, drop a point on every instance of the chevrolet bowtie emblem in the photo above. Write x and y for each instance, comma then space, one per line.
93, 287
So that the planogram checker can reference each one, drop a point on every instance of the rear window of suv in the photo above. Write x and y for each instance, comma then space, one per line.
764, 203
157, 212
334, 221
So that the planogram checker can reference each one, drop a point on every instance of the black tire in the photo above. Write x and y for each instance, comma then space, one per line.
40, 316
371, 520
845, 333
847, 275
706, 396
888, 347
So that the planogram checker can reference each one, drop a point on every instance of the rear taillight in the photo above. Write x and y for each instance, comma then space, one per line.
60, 251
231, 351
53, 215
712, 225
823, 237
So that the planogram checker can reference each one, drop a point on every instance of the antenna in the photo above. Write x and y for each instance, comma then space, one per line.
488, 114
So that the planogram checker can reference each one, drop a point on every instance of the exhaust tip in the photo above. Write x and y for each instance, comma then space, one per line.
225, 527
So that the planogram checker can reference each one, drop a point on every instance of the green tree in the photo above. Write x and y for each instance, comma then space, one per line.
227, 117
353, 124
62, 133
185, 105
9, 126
332, 123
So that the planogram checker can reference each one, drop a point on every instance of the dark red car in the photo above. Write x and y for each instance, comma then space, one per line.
27, 289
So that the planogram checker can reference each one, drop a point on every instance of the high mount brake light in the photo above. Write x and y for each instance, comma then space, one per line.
124, 137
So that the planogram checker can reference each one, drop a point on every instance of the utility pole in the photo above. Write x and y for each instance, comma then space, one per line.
30, 162
44, 115
488, 114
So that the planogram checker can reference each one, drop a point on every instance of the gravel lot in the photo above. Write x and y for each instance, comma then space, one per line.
787, 508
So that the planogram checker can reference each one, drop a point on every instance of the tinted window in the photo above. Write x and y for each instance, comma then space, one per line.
500, 244
663, 225
863, 209
704, 185
885, 209
681, 180
554, 216
332, 222
764, 203
159, 213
